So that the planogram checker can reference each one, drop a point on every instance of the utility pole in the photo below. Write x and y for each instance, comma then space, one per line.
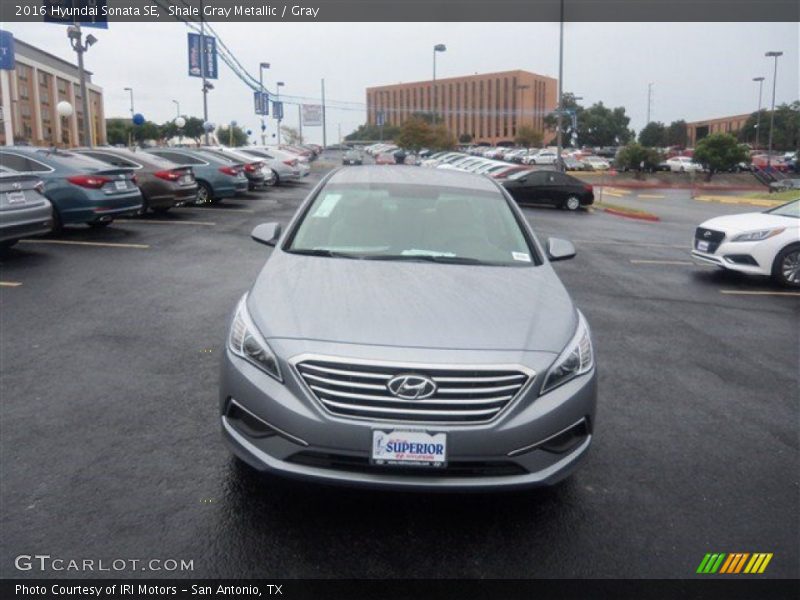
203, 72
76, 40
261, 67
300, 121
649, 101
760, 81
436, 48
177, 108
324, 133
774, 55
278, 86
559, 141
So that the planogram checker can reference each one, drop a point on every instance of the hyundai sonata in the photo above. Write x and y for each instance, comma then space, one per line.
409, 331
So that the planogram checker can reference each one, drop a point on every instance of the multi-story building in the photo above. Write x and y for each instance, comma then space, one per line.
489, 107
30, 93
697, 130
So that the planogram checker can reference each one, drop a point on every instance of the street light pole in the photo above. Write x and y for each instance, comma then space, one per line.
128, 89
76, 40
203, 72
760, 81
436, 48
261, 67
775, 55
177, 108
559, 141
278, 87
649, 101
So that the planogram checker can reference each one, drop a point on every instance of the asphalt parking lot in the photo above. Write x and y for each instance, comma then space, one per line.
111, 444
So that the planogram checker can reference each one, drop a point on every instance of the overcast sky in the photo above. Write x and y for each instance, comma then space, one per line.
699, 70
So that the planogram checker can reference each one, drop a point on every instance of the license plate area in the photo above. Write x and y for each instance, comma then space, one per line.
701, 245
409, 448
120, 185
17, 197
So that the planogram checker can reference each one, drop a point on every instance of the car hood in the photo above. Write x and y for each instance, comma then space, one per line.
412, 304
748, 222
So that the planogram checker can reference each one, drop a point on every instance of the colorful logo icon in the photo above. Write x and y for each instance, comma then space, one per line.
734, 563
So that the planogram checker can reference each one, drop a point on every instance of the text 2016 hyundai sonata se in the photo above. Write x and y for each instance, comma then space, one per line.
408, 331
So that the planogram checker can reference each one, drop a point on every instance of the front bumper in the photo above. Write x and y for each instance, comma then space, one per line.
751, 258
307, 442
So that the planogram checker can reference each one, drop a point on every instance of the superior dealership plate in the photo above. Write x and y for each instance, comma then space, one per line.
409, 448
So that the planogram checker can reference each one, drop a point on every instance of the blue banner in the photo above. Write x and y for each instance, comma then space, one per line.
277, 110
6, 50
210, 56
88, 13
261, 102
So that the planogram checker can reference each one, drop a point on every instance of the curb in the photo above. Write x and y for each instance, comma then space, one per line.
632, 215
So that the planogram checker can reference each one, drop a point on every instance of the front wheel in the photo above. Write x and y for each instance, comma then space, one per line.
572, 203
786, 268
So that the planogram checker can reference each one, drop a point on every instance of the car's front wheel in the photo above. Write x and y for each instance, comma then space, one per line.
572, 203
786, 268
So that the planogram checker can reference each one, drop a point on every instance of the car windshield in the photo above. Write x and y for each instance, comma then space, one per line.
412, 222
791, 209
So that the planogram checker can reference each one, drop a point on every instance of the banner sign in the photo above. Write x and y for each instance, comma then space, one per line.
6, 50
89, 13
312, 115
261, 102
277, 110
210, 57
380, 118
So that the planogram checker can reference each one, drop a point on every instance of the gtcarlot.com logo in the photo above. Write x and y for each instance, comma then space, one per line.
45, 562
735, 563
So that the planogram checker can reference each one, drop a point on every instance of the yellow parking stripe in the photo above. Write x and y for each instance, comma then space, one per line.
10, 283
176, 222
738, 200
748, 293
642, 261
653, 196
607, 193
79, 243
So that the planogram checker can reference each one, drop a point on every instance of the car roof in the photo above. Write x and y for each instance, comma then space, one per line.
399, 174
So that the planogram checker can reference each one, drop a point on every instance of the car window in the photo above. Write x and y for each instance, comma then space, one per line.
112, 159
219, 155
20, 163
177, 157
792, 209
412, 222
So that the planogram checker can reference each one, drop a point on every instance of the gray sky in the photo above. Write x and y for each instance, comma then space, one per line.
700, 70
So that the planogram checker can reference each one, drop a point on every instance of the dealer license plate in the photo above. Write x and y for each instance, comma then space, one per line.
702, 246
121, 185
403, 447
16, 197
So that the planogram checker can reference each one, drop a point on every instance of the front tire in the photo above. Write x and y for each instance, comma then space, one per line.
786, 267
572, 203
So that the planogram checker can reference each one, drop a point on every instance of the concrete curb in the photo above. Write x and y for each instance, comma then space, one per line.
632, 215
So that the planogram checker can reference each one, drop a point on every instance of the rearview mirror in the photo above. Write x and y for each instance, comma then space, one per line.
560, 249
267, 233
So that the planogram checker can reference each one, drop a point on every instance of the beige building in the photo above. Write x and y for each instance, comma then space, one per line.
489, 107
29, 95
697, 130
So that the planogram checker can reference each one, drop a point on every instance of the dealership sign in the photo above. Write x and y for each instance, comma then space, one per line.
6, 50
312, 115
261, 103
210, 62
277, 110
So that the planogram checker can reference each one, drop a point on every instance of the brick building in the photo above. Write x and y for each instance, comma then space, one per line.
697, 130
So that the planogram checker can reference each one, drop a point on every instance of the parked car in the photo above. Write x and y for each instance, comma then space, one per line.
549, 187
24, 209
760, 243
253, 168
285, 167
370, 389
683, 164
81, 189
216, 178
784, 185
544, 157
776, 162
163, 184
352, 157
573, 164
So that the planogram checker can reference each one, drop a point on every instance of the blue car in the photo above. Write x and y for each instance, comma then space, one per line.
216, 177
81, 189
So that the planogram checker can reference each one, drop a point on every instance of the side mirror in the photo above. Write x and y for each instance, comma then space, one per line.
267, 233
560, 249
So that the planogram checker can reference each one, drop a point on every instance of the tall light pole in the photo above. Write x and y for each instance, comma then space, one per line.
261, 67
130, 90
559, 141
177, 108
772, 54
206, 85
278, 87
76, 40
760, 81
649, 101
436, 48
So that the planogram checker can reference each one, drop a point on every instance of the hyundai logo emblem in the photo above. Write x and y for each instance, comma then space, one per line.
412, 387
707, 234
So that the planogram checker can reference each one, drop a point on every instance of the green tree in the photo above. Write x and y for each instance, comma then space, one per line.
786, 132
719, 152
636, 157
291, 135
568, 133
528, 136
118, 131
417, 133
677, 134
653, 135
373, 133
232, 136
597, 125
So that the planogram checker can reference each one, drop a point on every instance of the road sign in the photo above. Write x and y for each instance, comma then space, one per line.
6, 50
210, 56
380, 118
312, 115
277, 110
89, 13
261, 103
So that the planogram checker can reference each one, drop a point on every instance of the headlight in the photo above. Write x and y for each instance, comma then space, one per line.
246, 341
576, 359
757, 236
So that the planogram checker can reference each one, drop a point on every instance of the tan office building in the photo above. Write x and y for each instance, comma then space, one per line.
29, 95
697, 130
489, 107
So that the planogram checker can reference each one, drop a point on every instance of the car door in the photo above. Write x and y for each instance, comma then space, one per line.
533, 188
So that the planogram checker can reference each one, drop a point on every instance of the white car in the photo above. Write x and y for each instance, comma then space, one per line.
545, 157
595, 163
683, 164
761, 243
285, 166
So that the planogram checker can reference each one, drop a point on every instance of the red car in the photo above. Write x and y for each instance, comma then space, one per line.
759, 161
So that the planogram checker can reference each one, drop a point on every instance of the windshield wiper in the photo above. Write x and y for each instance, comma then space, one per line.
323, 252
439, 258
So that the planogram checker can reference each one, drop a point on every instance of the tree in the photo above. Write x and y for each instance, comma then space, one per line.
417, 133
785, 135
597, 125
291, 135
528, 136
677, 134
567, 131
118, 131
373, 132
232, 136
464, 138
636, 157
653, 135
719, 152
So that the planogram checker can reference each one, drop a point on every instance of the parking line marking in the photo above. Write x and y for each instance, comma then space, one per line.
652, 196
753, 293
637, 244
642, 261
155, 222
10, 283
79, 243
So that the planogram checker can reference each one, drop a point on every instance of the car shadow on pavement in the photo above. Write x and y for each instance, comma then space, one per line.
734, 280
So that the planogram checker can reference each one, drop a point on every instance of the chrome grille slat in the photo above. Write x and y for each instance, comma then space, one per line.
359, 389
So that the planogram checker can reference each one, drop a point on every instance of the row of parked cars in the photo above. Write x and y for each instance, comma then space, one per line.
44, 189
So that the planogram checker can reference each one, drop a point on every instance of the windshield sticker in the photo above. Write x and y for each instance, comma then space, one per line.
327, 205
523, 256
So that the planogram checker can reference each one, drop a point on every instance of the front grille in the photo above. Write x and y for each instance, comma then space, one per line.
462, 395
713, 237
361, 464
